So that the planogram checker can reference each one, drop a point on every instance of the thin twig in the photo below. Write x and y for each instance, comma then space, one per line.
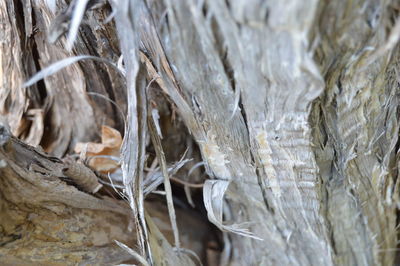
177, 180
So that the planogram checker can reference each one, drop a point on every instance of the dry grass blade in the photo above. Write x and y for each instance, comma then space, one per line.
133, 253
194, 167
187, 187
77, 15
54, 68
156, 117
155, 178
114, 186
163, 164
133, 148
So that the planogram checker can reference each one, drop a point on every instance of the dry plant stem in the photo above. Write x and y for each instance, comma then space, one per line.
133, 149
128, 25
187, 184
167, 185
61, 64
133, 253
77, 14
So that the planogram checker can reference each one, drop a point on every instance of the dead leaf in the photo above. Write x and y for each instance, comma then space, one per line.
110, 145
111, 137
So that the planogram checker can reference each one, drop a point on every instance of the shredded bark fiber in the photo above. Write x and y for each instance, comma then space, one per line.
254, 132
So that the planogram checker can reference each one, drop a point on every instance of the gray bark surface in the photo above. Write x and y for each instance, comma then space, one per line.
293, 105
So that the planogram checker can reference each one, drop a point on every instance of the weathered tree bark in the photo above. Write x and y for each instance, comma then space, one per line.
45, 221
294, 106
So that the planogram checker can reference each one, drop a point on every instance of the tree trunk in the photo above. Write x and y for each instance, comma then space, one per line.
293, 106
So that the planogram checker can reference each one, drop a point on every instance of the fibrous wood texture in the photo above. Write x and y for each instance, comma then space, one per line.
302, 157
294, 106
